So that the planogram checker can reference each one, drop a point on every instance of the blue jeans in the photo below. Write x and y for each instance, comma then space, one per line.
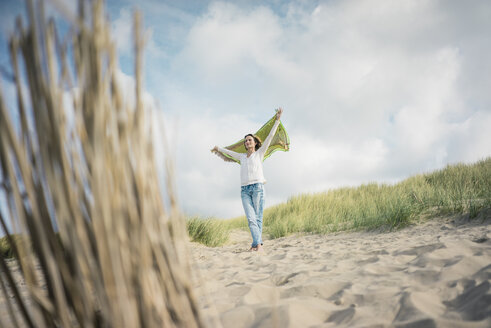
253, 201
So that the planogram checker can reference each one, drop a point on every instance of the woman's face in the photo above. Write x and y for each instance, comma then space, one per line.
249, 142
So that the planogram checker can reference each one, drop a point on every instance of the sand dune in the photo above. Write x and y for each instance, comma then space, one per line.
437, 274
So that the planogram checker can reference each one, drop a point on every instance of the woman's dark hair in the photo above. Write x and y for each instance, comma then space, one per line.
256, 139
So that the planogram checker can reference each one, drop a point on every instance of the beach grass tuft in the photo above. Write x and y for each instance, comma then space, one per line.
207, 231
93, 241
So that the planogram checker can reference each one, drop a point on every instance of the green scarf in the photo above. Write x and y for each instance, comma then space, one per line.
280, 141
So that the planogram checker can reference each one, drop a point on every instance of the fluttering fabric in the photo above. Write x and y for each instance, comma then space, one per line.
280, 141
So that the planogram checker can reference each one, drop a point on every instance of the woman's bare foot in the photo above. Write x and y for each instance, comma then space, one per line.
252, 249
259, 248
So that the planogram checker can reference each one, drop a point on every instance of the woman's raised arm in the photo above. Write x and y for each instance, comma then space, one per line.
270, 136
232, 154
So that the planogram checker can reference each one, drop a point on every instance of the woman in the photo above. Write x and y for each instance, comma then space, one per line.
252, 180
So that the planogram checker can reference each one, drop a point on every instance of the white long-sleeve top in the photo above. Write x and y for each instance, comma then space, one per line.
251, 168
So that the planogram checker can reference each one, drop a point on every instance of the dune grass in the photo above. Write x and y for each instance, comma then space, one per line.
456, 189
94, 243
210, 231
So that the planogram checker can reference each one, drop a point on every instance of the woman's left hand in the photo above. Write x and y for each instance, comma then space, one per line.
278, 113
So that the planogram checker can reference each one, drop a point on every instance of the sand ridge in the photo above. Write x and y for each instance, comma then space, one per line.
437, 274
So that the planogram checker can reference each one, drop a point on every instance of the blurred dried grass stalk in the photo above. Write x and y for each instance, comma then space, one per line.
82, 188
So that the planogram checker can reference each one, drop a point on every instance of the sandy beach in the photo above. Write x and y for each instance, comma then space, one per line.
437, 274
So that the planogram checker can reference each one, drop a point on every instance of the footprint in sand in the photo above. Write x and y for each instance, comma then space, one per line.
283, 279
342, 316
416, 251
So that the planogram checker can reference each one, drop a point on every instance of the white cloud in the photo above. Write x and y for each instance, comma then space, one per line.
229, 39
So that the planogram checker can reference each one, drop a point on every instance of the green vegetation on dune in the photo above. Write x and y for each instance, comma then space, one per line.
210, 232
456, 189
237, 223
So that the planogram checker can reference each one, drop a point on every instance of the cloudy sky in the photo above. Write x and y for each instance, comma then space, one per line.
372, 90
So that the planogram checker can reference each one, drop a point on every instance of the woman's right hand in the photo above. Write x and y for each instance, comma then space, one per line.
215, 149
278, 113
